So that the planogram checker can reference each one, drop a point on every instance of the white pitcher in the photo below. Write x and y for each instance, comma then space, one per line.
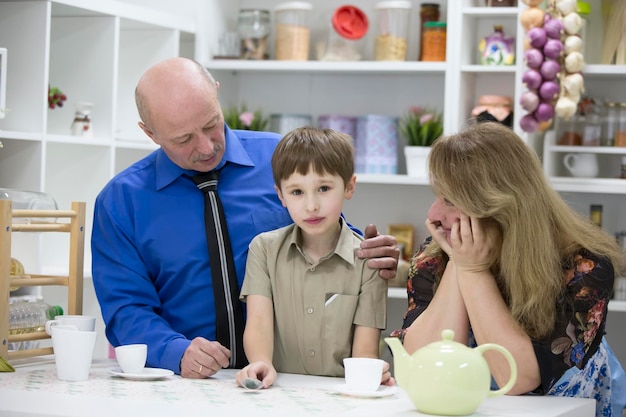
581, 164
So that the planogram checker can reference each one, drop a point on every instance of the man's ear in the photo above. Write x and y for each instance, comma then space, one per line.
148, 132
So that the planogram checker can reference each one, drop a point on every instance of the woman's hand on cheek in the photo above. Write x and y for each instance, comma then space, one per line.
439, 236
472, 250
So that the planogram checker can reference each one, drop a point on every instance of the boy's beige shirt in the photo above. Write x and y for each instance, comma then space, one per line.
316, 305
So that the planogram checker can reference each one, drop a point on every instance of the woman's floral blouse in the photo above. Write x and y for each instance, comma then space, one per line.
582, 311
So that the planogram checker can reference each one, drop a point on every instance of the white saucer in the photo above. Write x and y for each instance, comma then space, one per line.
148, 374
382, 391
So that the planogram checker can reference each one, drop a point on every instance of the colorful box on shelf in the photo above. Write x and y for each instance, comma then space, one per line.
376, 144
340, 123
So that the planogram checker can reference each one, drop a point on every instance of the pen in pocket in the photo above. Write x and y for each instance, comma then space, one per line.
330, 299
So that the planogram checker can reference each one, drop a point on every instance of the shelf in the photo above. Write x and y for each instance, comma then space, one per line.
617, 305
11, 134
400, 293
604, 71
348, 67
390, 179
137, 16
589, 185
610, 150
490, 11
507, 69
396, 292
77, 140
135, 144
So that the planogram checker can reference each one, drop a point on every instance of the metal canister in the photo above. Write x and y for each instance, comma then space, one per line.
283, 123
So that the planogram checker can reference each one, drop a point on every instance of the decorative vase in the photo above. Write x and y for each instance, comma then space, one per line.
417, 160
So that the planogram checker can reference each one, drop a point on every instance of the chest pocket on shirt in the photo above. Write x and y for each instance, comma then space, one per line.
338, 319
264, 221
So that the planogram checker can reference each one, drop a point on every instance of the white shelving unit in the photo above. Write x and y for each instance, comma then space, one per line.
93, 52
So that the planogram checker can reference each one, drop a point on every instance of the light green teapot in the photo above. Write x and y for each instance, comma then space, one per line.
447, 377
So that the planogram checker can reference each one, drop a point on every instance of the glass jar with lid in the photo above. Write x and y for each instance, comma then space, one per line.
253, 26
500, 3
429, 12
393, 26
292, 33
609, 123
434, 41
348, 25
620, 127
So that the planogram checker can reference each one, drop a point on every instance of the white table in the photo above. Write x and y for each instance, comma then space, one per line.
34, 390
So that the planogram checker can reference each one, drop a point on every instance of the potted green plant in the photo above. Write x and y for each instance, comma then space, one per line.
421, 127
243, 119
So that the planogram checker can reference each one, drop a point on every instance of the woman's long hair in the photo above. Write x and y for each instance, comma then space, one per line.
487, 171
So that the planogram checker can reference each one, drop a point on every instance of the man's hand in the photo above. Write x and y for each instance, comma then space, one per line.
203, 358
382, 251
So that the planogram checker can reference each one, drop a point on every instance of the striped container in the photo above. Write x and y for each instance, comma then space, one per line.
344, 124
376, 144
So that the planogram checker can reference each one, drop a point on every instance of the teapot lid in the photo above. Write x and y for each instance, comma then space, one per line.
447, 343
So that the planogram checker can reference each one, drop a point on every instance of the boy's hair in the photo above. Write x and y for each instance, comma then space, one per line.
325, 150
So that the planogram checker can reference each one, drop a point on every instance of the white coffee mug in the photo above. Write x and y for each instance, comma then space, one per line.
363, 374
83, 323
73, 352
132, 358
584, 165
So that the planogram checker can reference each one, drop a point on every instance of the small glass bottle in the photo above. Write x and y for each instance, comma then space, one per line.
569, 131
592, 129
429, 12
82, 124
595, 214
609, 123
253, 26
620, 129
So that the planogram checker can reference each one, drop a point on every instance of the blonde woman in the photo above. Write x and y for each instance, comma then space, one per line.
509, 262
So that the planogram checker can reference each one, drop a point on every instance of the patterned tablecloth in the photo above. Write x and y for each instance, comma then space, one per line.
34, 390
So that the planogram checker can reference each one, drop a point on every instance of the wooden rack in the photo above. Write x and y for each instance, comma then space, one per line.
75, 226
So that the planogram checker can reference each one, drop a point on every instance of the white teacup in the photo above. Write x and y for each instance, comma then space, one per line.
584, 165
83, 323
132, 358
363, 374
73, 352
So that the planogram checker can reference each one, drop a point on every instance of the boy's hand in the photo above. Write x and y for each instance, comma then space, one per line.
387, 379
260, 370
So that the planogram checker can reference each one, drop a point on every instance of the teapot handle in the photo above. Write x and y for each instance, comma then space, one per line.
512, 365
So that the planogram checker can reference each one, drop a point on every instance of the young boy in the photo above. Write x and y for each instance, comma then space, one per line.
310, 301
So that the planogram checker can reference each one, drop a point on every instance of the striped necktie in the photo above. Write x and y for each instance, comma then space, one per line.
228, 309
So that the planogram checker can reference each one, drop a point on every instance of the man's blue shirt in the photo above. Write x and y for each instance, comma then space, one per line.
150, 262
